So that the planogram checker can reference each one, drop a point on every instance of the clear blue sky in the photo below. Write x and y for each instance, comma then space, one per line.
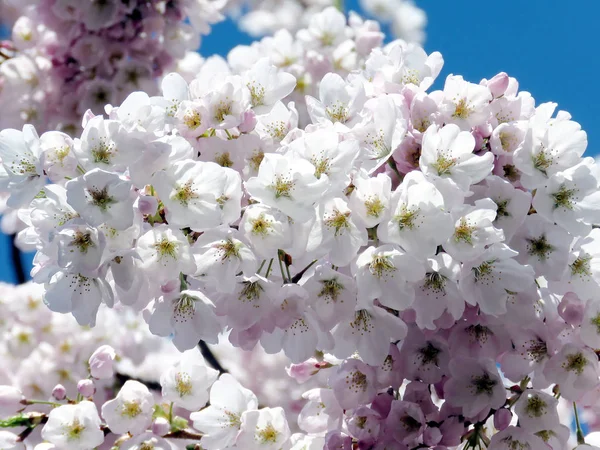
551, 47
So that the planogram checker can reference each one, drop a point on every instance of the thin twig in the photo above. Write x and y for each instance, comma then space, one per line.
15, 254
210, 357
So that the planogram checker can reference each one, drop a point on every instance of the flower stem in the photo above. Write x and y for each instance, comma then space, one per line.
580, 437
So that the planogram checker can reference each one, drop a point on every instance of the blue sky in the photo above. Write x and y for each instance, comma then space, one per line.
551, 47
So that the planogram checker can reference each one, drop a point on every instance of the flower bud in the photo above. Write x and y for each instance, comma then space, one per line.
248, 121
101, 362
161, 426
59, 392
303, 371
432, 436
571, 309
367, 41
10, 400
147, 204
498, 84
502, 419
86, 388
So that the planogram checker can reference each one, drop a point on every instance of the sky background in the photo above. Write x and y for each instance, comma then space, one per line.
550, 46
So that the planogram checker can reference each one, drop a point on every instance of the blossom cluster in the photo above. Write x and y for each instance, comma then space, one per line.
40, 349
68, 56
435, 256
264, 17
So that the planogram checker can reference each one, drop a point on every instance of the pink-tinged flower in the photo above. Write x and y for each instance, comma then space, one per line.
74, 426
405, 422
475, 386
221, 421
575, 369
131, 410
515, 437
353, 384
266, 428
187, 382
10, 400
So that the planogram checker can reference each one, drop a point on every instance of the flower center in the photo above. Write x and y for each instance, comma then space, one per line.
540, 247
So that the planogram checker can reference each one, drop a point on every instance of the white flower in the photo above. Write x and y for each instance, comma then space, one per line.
267, 85
571, 198
197, 194
438, 292
101, 197
550, 146
339, 101
384, 273
267, 229
74, 427
416, 219
57, 156
543, 245
492, 278
473, 230
220, 255
465, 104
165, 253
287, 183
79, 247
576, 369
190, 317
369, 333
220, 422
186, 383
10, 441
537, 411
383, 131
131, 410
20, 157
448, 153
370, 198
336, 233
266, 428
474, 385
78, 294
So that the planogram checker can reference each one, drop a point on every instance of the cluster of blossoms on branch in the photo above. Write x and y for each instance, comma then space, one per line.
68, 56
263, 17
433, 256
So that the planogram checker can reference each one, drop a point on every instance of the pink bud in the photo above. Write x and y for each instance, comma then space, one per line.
502, 418
161, 426
10, 400
147, 204
303, 371
59, 392
571, 309
498, 84
367, 41
432, 436
478, 139
248, 122
86, 387
101, 362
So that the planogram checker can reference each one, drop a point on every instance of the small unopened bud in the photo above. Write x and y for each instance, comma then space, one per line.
248, 122
502, 419
59, 392
498, 84
101, 362
303, 371
432, 436
10, 400
161, 426
147, 204
86, 388
571, 309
